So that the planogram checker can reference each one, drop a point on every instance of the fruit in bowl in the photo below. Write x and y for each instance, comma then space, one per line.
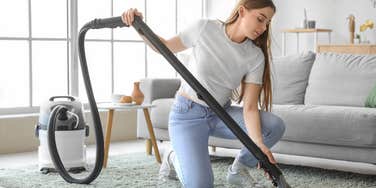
126, 99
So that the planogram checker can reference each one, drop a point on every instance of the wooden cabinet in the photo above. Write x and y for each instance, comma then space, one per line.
348, 48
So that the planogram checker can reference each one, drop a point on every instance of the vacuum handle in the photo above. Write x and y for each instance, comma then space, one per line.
66, 97
112, 22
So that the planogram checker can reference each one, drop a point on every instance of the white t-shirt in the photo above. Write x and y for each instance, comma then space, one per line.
220, 64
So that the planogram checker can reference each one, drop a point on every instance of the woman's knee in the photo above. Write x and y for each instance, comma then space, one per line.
275, 123
200, 182
279, 126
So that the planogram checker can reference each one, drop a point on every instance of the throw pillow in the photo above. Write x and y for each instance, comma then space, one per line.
290, 77
371, 99
341, 79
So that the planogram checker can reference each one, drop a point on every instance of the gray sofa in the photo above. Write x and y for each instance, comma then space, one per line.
321, 99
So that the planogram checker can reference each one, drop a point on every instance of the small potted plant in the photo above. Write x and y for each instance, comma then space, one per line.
357, 39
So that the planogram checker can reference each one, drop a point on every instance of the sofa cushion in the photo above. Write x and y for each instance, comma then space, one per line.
290, 77
332, 125
160, 113
341, 79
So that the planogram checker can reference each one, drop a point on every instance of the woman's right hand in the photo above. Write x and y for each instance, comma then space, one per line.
270, 156
128, 16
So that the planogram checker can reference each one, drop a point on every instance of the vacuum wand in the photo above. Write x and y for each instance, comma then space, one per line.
274, 172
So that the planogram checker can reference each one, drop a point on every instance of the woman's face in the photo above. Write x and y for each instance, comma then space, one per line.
254, 22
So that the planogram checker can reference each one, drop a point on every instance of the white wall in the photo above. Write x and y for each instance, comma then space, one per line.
17, 132
290, 14
330, 14
362, 10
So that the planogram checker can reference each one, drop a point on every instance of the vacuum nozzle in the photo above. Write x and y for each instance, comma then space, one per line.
282, 183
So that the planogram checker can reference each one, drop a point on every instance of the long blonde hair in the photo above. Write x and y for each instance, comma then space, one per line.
263, 42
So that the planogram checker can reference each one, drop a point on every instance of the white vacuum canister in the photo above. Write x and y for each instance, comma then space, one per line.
71, 147
70, 133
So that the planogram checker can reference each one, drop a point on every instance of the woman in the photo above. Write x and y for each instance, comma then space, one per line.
231, 62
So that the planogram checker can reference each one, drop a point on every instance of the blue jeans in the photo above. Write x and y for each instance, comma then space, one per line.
191, 124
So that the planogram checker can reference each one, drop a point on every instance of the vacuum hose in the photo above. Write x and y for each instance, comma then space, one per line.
95, 24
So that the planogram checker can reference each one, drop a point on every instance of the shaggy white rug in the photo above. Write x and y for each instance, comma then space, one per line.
139, 170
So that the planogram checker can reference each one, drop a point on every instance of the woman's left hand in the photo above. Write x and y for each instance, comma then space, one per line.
270, 156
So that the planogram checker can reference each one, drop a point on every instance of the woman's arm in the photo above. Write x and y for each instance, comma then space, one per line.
251, 113
252, 119
174, 44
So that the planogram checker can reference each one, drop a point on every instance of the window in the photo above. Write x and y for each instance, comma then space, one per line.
14, 73
98, 57
129, 65
18, 26
50, 71
34, 52
36, 48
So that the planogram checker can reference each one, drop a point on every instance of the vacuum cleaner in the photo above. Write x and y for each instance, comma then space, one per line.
274, 172
70, 134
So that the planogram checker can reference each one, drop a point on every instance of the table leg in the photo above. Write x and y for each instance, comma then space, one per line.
107, 138
148, 146
151, 134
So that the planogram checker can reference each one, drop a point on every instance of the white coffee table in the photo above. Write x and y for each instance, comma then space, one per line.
111, 107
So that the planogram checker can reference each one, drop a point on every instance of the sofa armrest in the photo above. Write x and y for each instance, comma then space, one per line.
156, 88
